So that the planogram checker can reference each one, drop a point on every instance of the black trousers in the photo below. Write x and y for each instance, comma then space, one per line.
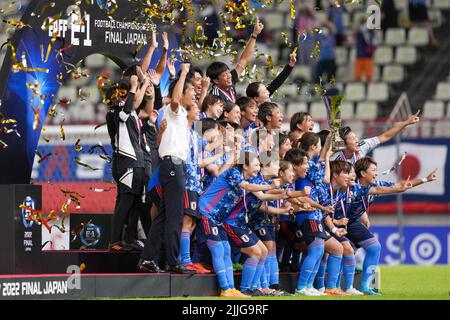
167, 225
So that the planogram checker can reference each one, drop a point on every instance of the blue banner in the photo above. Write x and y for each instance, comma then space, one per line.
423, 245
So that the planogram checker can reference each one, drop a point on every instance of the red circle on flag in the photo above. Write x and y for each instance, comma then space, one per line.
410, 167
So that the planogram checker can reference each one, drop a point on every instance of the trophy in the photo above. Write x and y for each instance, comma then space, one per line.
333, 104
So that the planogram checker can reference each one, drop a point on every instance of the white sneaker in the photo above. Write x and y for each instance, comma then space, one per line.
300, 292
312, 292
354, 292
322, 291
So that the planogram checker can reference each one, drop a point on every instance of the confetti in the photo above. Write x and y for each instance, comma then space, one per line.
43, 158
84, 94
292, 10
316, 52
100, 190
78, 148
79, 162
99, 125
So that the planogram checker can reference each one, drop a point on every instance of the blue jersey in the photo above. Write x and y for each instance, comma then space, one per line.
193, 171
279, 203
300, 184
360, 200
154, 180
222, 196
256, 219
247, 132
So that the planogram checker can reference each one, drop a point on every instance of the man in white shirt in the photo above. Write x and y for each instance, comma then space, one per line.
356, 149
173, 151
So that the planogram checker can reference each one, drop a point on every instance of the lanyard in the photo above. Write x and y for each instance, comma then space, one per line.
366, 205
334, 201
231, 97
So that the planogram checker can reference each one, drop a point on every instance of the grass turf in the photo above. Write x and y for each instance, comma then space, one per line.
397, 283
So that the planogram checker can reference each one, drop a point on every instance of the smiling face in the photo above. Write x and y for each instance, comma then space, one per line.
253, 168
263, 95
371, 174
251, 112
234, 115
351, 142
194, 113
342, 179
352, 177
317, 148
196, 81
189, 96
288, 175
285, 147
224, 80
302, 169
215, 111
271, 169
276, 120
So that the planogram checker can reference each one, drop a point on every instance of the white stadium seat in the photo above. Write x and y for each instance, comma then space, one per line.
341, 56
290, 90
406, 55
443, 91
295, 107
318, 111
302, 72
384, 55
367, 110
442, 129
276, 20
67, 92
447, 114
418, 36
377, 92
95, 61
393, 74
433, 110
347, 110
395, 36
441, 4
355, 91
401, 4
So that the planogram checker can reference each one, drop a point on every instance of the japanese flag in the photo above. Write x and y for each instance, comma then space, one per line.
420, 160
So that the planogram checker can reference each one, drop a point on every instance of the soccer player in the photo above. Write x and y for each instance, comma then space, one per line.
249, 115
212, 107
215, 205
356, 149
231, 113
270, 115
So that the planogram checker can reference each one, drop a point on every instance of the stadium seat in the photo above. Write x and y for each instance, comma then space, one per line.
318, 111
67, 92
347, 21
290, 90
95, 61
357, 16
433, 110
347, 111
442, 129
355, 91
441, 4
384, 55
321, 16
276, 20
395, 36
393, 74
367, 110
357, 127
341, 56
302, 72
296, 107
401, 4
283, 6
447, 113
426, 128
418, 36
94, 94
406, 55
376, 73
377, 92
443, 91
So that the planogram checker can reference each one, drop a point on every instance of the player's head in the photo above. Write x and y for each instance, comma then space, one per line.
213, 106
220, 74
210, 131
249, 108
195, 76
340, 171
366, 169
284, 144
188, 95
302, 121
286, 172
249, 164
193, 112
258, 92
350, 138
270, 115
299, 160
323, 136
295, 136
310, 142
352, 177
232, 112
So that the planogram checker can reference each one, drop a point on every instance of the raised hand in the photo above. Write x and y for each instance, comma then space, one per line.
258, 27
406, 185
293, 59
171, 68
205, 83
134, 81
154, 42
413, 119
154, 77
165, 41
154, 116
432, 176
185, 67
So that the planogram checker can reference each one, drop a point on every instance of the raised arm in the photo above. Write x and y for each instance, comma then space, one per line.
249, 48
251, 187
269, 197
283, 75
162, 63
145, 64
178, 90
391, 133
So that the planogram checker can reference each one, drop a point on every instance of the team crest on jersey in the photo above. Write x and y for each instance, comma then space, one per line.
193, 205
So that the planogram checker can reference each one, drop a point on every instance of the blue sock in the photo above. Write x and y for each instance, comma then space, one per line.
274, 270
320, 277
373, 249
256, 281
228, 263
248, 272
333, 269
313, 257
267, 267
313, 275
264, 280
349, 264
185, 246
338, 282
217, 253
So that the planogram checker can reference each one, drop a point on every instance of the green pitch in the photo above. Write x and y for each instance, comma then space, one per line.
397, 283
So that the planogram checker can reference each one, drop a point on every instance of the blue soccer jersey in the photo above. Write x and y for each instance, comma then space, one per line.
193, 171
360, 200
279, 203
315, 195
222, 195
